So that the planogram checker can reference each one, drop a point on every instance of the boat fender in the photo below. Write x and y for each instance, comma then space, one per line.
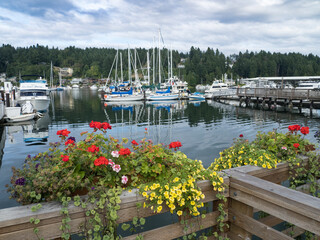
27, 107
105, 96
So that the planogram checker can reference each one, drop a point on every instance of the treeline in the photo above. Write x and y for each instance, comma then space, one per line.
201, 67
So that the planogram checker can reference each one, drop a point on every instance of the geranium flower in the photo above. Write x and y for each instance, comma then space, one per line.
296, 145
65, 158
175, 144
124, 151
106, 125
293, 128
134, 142
63, 132
100, 161
93, 149
124, 179
304, 130
241, 135
115, 154
116, 168
284, 148
69, 141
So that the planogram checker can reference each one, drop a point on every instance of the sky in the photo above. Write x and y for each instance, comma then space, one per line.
232, 26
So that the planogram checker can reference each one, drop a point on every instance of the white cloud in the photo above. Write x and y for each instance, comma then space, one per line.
231, 26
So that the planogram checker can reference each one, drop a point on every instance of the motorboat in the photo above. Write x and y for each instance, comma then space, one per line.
217, 88
20, 114
196, 96
93, 87
308, 86
36, 92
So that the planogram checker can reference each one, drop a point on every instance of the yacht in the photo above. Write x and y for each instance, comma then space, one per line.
216, 88
308, 86
36, 91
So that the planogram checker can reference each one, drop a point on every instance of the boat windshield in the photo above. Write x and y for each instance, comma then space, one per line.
32, 93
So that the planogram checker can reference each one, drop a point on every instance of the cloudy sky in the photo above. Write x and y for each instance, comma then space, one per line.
229, 25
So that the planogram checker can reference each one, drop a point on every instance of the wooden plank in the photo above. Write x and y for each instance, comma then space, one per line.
270, 221
255, 227
288, 215
303, 204
293, 231
177, 229
245, 210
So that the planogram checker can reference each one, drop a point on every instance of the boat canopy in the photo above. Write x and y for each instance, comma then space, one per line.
167, 91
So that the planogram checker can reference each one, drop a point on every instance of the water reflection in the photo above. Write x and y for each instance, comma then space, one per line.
2, 142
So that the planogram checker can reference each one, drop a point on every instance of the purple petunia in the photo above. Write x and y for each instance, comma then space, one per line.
21, 181
72, 138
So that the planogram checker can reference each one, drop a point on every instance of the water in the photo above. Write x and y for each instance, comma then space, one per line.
204, 128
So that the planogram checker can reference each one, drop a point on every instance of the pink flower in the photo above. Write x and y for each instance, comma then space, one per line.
124, 179
116, 168
115, 154
284, 148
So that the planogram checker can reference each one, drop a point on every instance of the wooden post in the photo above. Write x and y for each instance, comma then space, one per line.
7, 99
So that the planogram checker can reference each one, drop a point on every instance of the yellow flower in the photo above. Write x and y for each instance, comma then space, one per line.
159, 202
179, 213
159, 209
192, 203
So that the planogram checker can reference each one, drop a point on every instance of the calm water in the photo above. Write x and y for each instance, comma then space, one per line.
204, 128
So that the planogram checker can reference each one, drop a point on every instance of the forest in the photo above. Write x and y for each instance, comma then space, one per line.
195, 66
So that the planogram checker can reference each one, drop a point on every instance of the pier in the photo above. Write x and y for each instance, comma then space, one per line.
250, 190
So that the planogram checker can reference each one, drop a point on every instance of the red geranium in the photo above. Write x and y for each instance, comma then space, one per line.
93, 149
241, 135
124, 151
175, 144
65, 158
296, 145
100, 161
69, 141
106, 125
63, 132
304, 130
293, 128
134, 142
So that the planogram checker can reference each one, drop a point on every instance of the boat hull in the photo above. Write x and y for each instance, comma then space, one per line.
39, 104
122, 98
20, 118
161, 97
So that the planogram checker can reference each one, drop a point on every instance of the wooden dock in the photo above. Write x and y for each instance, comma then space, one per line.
250, 189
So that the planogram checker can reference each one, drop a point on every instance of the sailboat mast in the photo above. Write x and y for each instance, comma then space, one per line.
121, 67
171, 63
153, 64
51, 76
148, 66
159, 60
129, 67
116, 73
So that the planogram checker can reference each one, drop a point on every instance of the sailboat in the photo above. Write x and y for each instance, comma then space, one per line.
60, 88
52, 88
162, 95
122, 91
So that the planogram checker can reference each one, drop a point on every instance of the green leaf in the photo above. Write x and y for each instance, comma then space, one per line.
37, 221
125, 226
142, 221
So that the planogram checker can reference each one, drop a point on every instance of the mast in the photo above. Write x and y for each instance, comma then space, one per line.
159, 59
129, 67
121, 67
116, 73
171, 73
51, 76
153, 64
148, 66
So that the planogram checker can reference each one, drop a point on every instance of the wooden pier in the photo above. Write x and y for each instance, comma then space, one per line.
250, 190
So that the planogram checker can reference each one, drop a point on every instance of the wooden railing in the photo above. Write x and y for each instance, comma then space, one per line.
291, 94
251, 189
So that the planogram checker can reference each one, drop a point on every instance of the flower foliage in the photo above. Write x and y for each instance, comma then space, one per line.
267, 150
164, 177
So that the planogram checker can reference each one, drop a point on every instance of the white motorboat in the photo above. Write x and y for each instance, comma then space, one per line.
36, 92
196, 96
216, 88
16, 114
308, 86
123, 98
93, 87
